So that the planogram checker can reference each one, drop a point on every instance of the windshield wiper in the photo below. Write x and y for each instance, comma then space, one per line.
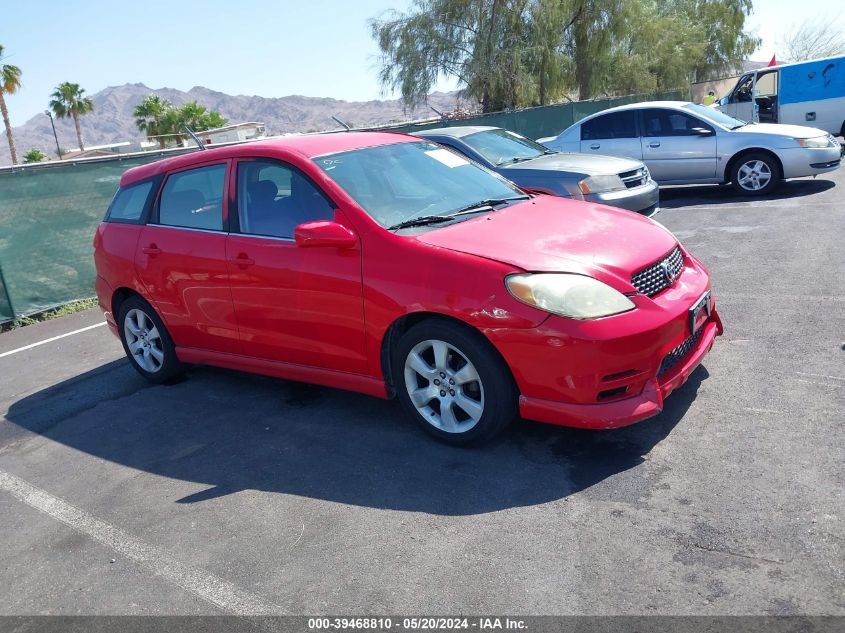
475, 207
421, 221
736, 127
517, 159
486, 204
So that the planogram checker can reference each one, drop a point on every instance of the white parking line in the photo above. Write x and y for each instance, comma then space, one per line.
823, 384
801, 373
50, 340
221, 593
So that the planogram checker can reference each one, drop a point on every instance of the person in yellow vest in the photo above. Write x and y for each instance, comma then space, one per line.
710, 98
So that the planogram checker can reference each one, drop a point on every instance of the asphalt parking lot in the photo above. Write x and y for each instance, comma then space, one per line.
231, 493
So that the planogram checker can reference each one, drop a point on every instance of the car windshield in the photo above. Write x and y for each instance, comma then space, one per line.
402, 181
501, 147
716, 116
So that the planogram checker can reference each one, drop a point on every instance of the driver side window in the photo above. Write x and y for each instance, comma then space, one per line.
274, 198
743, 90
659, 122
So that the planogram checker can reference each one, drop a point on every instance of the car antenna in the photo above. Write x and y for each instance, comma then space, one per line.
345, 126
195, 137
439, 113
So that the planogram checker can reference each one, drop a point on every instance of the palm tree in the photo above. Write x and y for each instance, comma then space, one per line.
10, 81
68, 101
150, 117
195, 117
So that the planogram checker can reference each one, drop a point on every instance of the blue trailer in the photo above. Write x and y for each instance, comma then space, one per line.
808, 93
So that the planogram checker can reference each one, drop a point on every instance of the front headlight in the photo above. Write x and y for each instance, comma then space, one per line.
601, 184
573, 296
817, 142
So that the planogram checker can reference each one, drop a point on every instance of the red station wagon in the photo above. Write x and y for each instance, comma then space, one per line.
386, 264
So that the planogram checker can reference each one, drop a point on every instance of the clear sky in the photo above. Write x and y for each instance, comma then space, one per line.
272, 48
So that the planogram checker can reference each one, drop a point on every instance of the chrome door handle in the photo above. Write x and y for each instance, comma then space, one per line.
152, 249
654, 144
595, 146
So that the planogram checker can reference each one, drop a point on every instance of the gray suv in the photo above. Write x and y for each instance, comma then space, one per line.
618, 182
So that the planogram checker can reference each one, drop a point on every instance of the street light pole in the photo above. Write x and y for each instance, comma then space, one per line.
55, 136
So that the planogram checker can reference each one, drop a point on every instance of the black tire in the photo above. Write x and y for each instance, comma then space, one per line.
761, 164
494, 387
147, 347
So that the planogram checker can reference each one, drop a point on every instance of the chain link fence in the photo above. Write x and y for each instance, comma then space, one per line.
48, 215
49, 212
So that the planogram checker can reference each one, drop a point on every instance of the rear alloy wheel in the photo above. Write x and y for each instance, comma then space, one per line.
453, 382
755, 174
147, 342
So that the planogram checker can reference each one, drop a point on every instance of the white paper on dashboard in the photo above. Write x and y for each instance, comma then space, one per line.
450, 159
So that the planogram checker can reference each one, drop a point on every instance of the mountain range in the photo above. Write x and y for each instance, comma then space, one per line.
112, 121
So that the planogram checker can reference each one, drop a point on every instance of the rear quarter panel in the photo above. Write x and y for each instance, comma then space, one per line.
567, 141
114, 259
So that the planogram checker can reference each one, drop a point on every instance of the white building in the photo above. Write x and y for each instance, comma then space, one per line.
237, 133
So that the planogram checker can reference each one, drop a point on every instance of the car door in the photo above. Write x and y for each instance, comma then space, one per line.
766, 96
612, 134
293, 304
740, 104
181, 259
677, 147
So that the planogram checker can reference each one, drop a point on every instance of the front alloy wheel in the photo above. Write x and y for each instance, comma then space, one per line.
444, 386
453, 382
755, 174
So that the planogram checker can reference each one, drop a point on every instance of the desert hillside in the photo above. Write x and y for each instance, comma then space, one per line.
112, 121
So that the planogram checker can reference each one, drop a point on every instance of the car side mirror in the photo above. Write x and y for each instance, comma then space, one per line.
724, 101
701, 131
324, 233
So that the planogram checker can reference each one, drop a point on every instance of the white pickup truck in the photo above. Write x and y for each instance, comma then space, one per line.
807, 93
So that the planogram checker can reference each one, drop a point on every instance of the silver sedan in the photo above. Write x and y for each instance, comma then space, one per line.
685, 143
607, 180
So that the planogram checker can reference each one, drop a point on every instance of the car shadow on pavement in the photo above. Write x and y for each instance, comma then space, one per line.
229, 431
693, 195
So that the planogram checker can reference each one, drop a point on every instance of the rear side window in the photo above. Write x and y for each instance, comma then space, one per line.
609, 126
194, 198
129, 203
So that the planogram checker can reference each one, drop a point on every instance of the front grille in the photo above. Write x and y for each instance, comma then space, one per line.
659, 275
679, 353
634, 178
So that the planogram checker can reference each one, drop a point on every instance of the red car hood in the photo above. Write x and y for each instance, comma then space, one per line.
551, 234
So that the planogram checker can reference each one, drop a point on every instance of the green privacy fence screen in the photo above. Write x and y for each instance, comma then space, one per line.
544, 120
5, 304
48, 215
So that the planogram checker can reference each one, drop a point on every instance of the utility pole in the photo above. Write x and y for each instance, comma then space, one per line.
55, 136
